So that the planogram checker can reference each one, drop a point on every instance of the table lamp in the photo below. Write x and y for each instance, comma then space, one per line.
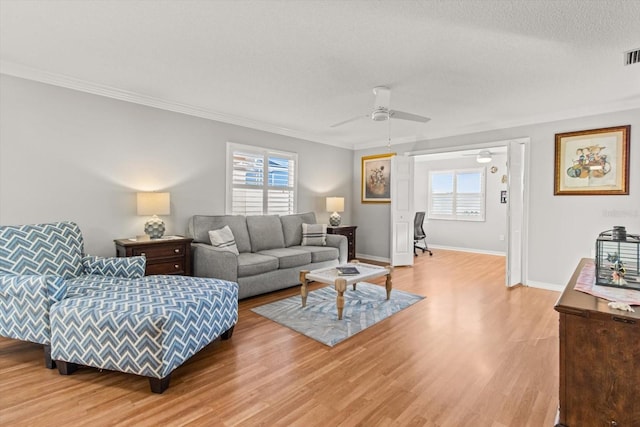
154, 204
335, 205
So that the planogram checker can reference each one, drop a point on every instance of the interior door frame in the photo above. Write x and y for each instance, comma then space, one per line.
522, 198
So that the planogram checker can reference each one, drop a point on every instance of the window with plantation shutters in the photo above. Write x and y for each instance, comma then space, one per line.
260, 181
457, 195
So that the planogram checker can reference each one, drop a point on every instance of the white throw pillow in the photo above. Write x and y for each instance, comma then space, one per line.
314, 234
222, 240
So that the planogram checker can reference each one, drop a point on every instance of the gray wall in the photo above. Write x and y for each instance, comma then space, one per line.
69, 155
562, 229
480, 236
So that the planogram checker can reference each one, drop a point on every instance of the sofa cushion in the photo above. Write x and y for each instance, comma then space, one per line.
320, 253
127, 267
200, 225
265, 232
222, 240
250, 264
292, 227
314, 234
288, 257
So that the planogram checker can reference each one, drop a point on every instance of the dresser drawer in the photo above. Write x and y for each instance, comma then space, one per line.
166, 267
164, 251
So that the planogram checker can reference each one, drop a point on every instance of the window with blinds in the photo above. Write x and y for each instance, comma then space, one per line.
260, 181
457, 195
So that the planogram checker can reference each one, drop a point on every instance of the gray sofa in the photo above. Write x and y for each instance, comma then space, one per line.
270, 251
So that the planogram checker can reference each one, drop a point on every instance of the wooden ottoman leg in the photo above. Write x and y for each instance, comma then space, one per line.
159, 385
228, 333
51, 364
66, 368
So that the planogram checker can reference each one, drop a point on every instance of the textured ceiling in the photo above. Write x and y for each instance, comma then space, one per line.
296, 67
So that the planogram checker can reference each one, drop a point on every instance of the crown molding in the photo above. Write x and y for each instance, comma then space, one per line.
24, 72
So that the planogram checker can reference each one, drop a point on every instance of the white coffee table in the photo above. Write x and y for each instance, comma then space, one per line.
331, 276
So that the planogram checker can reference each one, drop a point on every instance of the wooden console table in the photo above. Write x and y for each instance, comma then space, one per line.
599, 361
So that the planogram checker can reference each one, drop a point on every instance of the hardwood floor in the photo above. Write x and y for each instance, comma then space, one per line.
473, 353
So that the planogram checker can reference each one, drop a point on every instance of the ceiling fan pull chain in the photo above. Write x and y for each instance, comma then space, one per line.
389, 131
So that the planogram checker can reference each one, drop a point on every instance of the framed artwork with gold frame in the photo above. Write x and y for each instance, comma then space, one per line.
376, 178
592, 162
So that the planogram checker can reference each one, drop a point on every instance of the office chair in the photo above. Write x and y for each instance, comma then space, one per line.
418, 234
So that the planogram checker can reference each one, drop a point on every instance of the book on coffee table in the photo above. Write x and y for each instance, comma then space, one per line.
348, 271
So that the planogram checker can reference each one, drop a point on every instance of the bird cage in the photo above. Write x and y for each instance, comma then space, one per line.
618, 259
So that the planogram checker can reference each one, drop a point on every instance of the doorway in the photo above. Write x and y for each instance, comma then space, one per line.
511, 169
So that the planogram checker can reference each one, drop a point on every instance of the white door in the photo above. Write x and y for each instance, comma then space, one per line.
516, 211
401, 210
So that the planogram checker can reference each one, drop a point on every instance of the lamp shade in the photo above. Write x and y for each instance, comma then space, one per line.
335, 204
154, 204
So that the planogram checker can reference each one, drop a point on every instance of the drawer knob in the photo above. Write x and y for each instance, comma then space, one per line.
176, 251
143, 254
176, 266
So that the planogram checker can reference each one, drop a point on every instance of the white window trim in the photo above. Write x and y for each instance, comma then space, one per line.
232, 146
454, 216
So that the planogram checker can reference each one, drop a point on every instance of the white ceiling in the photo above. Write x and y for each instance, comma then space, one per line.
296, 67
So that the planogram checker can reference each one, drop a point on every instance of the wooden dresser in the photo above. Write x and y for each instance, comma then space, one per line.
599, 361
350, 232
164, 256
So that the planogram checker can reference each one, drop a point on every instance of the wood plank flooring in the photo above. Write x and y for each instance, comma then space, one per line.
473, 353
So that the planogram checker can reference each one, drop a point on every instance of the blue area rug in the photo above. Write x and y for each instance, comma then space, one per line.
363, 307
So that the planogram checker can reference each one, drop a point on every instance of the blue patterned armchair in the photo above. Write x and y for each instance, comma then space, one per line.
36, 261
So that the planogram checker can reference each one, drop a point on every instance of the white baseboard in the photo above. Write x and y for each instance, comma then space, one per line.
547, 286
372, 258
475, 251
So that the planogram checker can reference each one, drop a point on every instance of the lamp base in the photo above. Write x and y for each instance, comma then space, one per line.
154, 227
335, 219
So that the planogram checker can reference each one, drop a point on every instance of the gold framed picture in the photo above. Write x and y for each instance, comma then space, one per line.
592, 162
376, 178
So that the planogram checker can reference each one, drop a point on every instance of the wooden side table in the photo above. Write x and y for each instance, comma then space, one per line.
350, 232
167, 255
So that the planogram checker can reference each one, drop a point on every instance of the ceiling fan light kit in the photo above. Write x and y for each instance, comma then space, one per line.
379, 115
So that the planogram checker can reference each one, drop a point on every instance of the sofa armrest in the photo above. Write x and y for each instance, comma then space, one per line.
341, 243
208, 262
33, 287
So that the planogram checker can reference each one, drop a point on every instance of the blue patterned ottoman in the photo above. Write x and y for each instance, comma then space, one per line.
148, 326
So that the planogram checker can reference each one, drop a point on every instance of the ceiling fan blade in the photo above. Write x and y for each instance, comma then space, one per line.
394, 114
352, 119
383, 98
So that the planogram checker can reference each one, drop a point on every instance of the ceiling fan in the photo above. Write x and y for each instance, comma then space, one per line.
382, 112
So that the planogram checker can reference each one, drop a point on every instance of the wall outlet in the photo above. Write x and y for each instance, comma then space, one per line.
501, 237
